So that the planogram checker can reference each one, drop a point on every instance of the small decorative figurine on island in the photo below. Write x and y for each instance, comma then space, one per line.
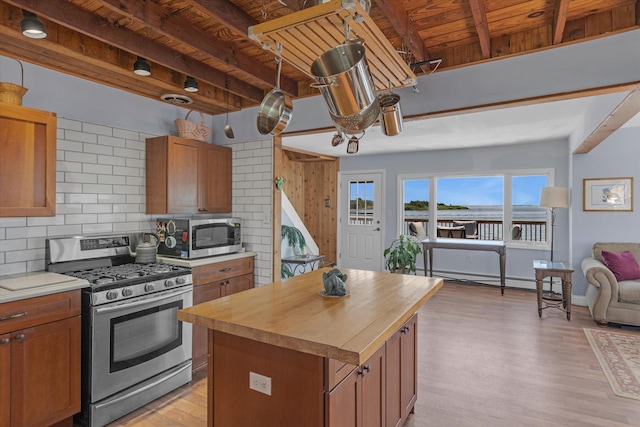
334, 283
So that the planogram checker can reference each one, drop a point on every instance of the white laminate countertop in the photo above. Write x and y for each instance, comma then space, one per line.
16, 287
203, 261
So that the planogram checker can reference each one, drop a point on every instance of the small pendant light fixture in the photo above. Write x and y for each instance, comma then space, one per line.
31, 26
142, 67
190, 84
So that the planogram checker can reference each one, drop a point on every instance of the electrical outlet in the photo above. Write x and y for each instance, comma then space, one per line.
260, 383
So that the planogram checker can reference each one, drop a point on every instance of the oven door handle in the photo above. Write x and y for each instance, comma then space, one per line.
144, 301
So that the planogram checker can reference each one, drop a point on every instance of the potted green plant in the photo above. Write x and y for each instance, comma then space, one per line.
400, 256
295, 240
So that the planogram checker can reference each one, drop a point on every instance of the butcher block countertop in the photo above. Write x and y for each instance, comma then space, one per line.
291, 314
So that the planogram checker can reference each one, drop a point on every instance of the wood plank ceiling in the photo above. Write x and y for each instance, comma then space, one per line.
99, 40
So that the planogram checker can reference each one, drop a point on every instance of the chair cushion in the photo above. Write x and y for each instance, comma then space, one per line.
623, 265
629, 291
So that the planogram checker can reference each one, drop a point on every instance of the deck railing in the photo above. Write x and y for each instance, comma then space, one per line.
531, 231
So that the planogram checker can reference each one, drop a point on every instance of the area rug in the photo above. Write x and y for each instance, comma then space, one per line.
619, 356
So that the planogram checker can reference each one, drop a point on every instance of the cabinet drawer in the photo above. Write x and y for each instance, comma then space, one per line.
30, 312
222, 270
335, 371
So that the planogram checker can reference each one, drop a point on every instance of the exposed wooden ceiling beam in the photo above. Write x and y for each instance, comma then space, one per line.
401, 22
222, 11
629, 107
480, 19
70, 16
560, 10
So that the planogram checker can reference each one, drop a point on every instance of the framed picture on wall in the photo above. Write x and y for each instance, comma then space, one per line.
607, 194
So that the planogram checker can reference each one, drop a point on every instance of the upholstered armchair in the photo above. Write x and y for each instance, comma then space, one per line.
609, 299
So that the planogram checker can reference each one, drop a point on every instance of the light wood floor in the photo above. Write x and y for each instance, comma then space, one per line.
484, 360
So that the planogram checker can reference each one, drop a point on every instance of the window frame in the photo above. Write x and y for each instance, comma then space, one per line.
507, 212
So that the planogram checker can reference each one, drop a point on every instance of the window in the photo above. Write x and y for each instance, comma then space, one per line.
361, 202
497, 206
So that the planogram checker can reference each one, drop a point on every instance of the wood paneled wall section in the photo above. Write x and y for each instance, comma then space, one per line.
309, 183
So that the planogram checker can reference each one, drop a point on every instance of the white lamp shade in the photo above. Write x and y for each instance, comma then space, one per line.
554, 197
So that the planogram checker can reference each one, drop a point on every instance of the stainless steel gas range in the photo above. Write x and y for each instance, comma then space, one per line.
134, 349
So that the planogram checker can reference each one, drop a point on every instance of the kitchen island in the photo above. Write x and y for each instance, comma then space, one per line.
283, 355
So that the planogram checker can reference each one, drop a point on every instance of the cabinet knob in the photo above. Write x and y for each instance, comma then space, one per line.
19, 337
4, 341
364, 370
405, 329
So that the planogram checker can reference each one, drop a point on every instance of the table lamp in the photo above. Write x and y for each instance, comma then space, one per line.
552, 198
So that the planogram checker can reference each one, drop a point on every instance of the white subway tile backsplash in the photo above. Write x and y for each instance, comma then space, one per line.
111, 160
135, 163
126, 134
81, 198
72, 135
64, 145
97, 228
13, 245
36, 221
117, 170
126, 189
63, 230
69, 124
81, 219
69, 208
99, 149
19, 267
111, 217
135, 180
25, 232
64, 166
97, 188
72, 156
97, 129
25, 255
97, 208
123, 208
35, 243
98, 169
112, 179
133, 198
114, 142
126, 152
112, 198
81, 177
68, 187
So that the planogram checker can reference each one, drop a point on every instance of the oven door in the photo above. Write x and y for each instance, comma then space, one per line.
135, 339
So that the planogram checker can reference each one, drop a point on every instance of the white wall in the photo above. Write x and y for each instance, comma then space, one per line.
548, 154
617, 156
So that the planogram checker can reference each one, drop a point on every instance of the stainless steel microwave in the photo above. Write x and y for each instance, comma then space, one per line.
198, 238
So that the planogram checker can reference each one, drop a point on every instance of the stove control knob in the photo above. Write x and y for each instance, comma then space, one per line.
181, 280
112, 295
149, 287
127, 292
169, 283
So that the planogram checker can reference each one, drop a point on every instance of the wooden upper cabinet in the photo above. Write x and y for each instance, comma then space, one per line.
187, 176
28, 161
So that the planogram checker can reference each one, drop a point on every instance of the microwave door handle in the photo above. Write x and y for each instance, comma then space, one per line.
143, 301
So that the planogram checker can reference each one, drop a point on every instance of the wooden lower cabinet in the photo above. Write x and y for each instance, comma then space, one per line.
401, 374
40, 364
215, 281
359, 400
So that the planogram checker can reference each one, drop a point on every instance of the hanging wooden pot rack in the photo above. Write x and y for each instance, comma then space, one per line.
308, 33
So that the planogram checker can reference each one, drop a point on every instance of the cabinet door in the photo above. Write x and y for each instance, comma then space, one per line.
45, 373
5, 376
373, 390
28, 162
200, 349
182, 176
238, 284
343, 402
401, 372
216, 179
408, 365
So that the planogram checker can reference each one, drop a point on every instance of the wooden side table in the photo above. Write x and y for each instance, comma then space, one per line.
554, 269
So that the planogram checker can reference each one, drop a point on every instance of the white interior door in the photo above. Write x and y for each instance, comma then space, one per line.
361, 221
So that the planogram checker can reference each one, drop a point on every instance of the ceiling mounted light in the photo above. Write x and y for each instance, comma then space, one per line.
142, 67
190, 84
31, 26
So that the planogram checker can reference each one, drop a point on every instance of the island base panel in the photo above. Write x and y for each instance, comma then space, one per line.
297, 384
